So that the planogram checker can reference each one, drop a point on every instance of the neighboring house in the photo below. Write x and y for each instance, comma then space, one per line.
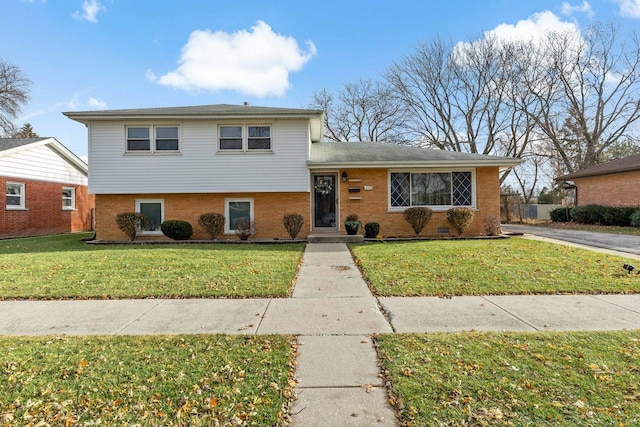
259, 163
614, 183
45, 188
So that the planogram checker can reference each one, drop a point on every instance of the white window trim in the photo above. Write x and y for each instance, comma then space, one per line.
245, 138
23, 204
73, 199
435, 208
152, 139
161, 201
227, 224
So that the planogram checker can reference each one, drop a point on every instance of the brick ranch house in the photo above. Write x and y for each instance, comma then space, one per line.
45, 188
614, 183
261, 163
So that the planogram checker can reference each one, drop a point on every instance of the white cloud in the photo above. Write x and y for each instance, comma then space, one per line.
533, 28
629, 8
90, 10
585, 7
255, 62
94, 103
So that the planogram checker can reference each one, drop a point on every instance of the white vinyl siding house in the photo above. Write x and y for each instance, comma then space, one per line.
115, 170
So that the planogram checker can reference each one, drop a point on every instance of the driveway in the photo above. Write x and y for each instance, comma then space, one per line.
614, 242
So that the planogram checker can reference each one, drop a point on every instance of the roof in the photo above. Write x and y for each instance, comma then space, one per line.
12, 145
217, 111
375, 154
627, 164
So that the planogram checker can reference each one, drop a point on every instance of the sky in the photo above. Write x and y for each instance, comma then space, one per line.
111, 54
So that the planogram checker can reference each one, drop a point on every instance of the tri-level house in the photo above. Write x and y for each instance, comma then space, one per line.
260, 163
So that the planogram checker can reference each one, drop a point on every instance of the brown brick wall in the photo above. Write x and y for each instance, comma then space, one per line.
620, 189
269, 208
373, 206
44, 214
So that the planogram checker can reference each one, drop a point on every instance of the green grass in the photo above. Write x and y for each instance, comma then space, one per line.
497, 267
519, 379
630, 231
180, 380
65, 267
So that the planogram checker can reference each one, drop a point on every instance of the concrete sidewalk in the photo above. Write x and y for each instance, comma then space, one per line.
334, 314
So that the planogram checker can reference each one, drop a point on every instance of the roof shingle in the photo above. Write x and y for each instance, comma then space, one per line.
627, 164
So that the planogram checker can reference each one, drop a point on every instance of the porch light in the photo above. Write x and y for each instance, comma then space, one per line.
344, 176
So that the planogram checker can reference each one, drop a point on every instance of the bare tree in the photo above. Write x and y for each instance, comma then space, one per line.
465, 97
587, 93
14, 93
363, 111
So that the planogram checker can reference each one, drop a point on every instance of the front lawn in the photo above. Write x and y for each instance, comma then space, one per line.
518, 379
489, 266
65, 267
123, 380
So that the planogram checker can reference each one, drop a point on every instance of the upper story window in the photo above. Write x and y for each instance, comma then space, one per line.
244, 138
68, 198
15, 195
165, 139
439, 189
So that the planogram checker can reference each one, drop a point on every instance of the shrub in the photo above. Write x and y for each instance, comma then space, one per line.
371, 230
352, 218
244, 229
213, 223
618, 215
132, 223
460, 218
492, 225
176, 229
293, 224
560, 215
418, 217
635, 219
588, 214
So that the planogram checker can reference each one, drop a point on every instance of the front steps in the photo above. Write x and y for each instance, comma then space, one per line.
334, 238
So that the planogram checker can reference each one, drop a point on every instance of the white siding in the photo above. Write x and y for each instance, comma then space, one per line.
198, 168
40, 163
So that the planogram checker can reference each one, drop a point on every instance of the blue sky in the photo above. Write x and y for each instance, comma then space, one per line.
112, 54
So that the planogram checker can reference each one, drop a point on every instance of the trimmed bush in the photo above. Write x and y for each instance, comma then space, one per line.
588, 214
132, 223
618, 215
418, 217
244, 229
635, 219
371, 230
352, 224
560, 215
213, 223
176, 229
293, 224
492, 225
460, 219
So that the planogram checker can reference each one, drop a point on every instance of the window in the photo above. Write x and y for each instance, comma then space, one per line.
237, 211
139, 138
244, 138
15, 195
154, 210
68, 198
430, 189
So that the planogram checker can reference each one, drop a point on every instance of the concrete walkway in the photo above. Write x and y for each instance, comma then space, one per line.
334, 314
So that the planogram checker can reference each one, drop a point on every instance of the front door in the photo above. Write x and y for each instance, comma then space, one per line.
324, 202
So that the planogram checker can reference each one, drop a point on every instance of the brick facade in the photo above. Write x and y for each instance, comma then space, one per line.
373, 204
617, 189
269, 208
44, 214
